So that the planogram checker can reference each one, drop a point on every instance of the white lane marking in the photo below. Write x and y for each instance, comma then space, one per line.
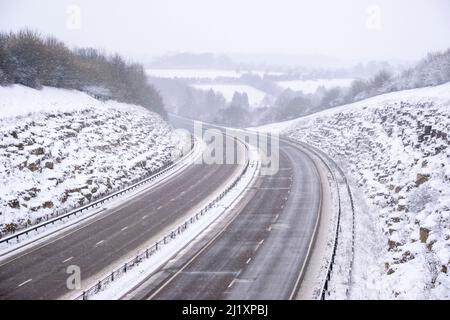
231, 283
159, 208
124, 228
25, 282
99, 243
259, 244
144, 217
282, 206
67, 260
248, 261
269, 228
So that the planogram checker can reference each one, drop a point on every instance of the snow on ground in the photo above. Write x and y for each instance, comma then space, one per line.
399, 172
276, 127
255, 96
61, 148
19, 100
203, 73
310, 86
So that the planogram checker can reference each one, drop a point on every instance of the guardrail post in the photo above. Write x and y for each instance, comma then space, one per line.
125, 267
84, 295
112, 276
156, 246
165, 241
146, 253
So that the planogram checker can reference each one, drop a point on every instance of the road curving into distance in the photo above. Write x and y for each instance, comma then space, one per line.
261, 252
40, 271
257, 254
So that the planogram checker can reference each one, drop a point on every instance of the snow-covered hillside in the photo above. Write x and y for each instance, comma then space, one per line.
395, 151
59, 148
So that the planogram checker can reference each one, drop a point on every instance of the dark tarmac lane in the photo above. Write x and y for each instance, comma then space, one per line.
261, 253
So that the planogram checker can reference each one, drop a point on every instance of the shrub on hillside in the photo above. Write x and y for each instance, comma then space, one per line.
29, 59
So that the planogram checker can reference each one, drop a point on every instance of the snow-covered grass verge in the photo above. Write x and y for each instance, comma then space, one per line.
399, 171
62, 148
199, 224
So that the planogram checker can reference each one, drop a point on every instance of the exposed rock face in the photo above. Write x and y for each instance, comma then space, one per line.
424, 233
15, 204
47, 204
38, 151
422, 178
60, 160
49, 165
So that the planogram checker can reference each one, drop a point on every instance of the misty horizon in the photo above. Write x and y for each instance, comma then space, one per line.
337, 33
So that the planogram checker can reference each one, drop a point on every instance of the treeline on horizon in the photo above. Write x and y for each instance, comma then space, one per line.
286, 104
29, 59
433, 70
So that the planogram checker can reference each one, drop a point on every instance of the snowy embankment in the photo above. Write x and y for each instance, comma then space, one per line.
394, 149
62, 148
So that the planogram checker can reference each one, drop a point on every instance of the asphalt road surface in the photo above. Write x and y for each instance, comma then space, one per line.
40, 272
261, 252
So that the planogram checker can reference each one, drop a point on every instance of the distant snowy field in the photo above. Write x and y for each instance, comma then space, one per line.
62, 147
210, 74
400, 177
255, 96
310, 86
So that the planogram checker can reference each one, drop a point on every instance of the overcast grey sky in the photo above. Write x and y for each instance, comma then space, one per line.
355, 29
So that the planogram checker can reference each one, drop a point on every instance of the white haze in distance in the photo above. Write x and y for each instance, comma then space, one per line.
346, 29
